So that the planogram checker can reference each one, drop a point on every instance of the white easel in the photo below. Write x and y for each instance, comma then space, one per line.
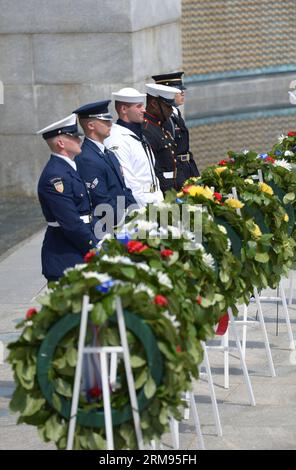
104, 351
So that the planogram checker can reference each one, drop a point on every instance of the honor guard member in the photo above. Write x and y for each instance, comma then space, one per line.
186, 166
64, 201
160, 100
99, 166
131, 147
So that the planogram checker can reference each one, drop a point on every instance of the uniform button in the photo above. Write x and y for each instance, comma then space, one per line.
81, 194
165, 146
170, 145
166, 136
173, 152
90, 242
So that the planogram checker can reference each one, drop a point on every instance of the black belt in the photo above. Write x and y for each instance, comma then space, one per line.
183, 158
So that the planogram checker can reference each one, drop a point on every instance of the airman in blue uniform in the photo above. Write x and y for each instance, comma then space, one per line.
64, 201
101, 170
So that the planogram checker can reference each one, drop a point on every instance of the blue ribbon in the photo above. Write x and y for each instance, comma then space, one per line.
105, 286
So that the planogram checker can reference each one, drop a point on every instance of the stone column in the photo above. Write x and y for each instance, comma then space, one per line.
60, 54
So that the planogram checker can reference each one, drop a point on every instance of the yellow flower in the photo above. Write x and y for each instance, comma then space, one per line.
220, 169
200, 191
249, 181
180, 194
234, 203
265, 188
256, 232
286, 218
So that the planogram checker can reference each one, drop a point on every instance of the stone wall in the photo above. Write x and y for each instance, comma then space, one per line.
60, 54
239, 59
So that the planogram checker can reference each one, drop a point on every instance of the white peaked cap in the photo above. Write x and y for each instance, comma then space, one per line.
68, 121
161, 91
129, 95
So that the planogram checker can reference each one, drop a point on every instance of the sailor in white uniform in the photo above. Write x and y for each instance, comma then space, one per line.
132, 149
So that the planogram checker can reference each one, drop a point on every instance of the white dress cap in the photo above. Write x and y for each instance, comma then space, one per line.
67, 121
162, 91
129, 95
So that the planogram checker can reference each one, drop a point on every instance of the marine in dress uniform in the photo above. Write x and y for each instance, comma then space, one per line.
64, 201
131, 147
101, 170
186, 166
160, 100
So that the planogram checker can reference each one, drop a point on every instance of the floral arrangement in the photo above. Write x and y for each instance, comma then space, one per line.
174, 283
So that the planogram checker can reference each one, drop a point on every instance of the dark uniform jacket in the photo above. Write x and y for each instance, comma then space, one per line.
164, 149
64, 200
103, 176
186, 166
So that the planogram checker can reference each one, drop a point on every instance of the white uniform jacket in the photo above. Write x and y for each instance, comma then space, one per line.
137, 165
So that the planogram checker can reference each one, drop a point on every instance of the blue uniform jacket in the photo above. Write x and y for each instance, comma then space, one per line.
64, 199
103, 177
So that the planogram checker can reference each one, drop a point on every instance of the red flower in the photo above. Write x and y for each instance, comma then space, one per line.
218, 196
291, 134
95, 392
30, 313
89, 256
134, 246
223, 162
186, 188
178, 349
198, 300
269, 159
160, 300
166, 253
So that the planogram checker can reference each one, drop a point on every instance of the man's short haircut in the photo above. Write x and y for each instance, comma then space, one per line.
119, 104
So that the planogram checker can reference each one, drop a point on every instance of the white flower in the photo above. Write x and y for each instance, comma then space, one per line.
29, 323
143, 266
94, 275
284, 164
117, 259
172, 318
245, 151
176, 232
228, 244
288, 153
249, 181
222, 229
164, 280
209, 260
146, 225
281, 138
143, 288
77, 267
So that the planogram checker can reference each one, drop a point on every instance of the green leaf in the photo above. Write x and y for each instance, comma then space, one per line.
137, 361
98, 314
163, 416
19, 399
71, 357
63, 388
97, 442
141, 379
289, 197
262, 257
128, 271
150, 387
60, 363
33, 405
56, 401
54, 430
